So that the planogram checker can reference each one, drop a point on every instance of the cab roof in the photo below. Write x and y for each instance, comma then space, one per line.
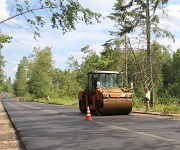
105, 72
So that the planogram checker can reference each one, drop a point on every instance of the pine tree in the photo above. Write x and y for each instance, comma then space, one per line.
139, 16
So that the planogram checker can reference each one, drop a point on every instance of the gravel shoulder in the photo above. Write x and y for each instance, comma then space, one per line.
158, 115
8, 135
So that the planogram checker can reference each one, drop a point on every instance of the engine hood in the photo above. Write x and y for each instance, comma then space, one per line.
111, 90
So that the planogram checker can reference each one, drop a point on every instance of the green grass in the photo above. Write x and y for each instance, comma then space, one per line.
58, 101
169, 108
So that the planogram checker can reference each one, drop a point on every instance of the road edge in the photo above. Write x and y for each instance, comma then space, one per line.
21, 142
157, 114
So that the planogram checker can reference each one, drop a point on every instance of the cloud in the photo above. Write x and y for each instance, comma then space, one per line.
172, 23
104, 7
14, 69
4, 13
63, 46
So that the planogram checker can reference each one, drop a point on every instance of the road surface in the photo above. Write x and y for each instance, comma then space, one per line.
52, 127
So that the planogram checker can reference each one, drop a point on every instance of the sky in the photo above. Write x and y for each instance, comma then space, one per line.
63, 46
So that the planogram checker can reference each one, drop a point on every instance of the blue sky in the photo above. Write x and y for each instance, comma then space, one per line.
63, 46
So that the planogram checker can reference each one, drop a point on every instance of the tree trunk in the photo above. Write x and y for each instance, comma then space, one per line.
149, 56
126, 65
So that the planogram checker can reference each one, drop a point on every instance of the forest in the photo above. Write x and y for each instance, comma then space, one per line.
150, 64
37, 77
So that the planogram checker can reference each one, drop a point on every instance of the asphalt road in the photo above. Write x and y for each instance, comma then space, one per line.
51, 127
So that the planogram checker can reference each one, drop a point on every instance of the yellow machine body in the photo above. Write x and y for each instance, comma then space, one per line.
105, 94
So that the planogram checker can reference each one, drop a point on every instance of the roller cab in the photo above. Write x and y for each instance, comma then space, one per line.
106, 94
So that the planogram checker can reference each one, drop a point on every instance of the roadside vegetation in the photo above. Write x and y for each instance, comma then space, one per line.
150, 64
172, 107
168, 108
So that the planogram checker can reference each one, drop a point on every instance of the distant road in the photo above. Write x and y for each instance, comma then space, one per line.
51, 127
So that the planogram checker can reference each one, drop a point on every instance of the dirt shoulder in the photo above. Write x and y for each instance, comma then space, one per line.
8, 135
158, 115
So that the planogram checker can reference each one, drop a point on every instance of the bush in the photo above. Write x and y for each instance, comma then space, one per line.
138, 104
167, 99
167, 108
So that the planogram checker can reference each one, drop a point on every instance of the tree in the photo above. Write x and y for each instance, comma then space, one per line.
40, 73
69, 86
2, 75
140, 16
4, 39
63, 13
174, 83
161, 58
176, 65
91, 61
8, 86
113, 56
20, 85
57, 73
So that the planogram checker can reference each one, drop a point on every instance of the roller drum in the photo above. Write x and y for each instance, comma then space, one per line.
121, 106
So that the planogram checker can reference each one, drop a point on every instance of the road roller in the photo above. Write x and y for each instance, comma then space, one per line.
105, 94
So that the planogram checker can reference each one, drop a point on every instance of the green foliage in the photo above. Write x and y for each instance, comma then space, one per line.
137, 103
64, 14
19, 85
63, 86
65, 101
171, 72
174, 89
91, 61
8, 86
69, 87
114, 59
132, 15
40, 73
36, 76
2, 75
167, 108
58, 101
166, 105
4, 39
176, 66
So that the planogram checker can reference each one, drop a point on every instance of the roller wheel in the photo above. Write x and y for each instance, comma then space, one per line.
98, 109
82, 106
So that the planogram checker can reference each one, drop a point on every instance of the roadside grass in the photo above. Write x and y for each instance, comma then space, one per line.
65, 101
58, 101
168, 108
